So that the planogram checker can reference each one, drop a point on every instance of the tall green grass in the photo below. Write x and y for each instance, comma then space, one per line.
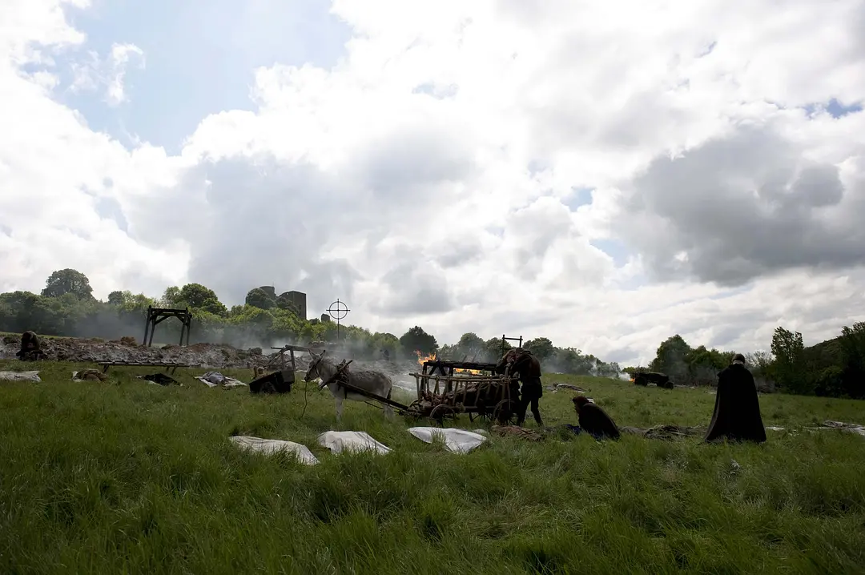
126, 477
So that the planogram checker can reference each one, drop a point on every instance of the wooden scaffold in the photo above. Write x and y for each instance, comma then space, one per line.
157, 315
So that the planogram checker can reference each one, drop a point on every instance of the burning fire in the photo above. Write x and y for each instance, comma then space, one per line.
468, 371
423, 358
432, 357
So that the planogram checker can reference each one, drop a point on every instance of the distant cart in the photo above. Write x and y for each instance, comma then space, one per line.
644, 378
448, 388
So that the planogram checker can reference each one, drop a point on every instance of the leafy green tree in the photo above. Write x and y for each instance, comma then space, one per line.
789, 366
195, 295
671, 358
830, 382
259, 298
286, 325
570, 360
416, 339
206, 321
852, 373
20, 302
115, 298
470, 346
495, 349
171, 298
213, 306
137, 302
605, 369
541, 347
385, 341
68, 281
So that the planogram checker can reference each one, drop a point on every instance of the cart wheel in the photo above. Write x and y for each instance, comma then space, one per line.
480, 412
442, 411
505, 412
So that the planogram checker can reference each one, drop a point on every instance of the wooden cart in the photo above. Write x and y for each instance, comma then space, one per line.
464, 388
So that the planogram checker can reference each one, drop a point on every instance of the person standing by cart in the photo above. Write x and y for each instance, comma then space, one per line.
528, 370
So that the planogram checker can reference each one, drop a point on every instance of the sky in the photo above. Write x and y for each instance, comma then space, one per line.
602, 174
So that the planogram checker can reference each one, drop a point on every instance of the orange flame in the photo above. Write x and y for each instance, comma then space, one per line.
423, 358
432, 357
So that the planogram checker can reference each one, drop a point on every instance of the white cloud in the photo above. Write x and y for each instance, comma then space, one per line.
400, 179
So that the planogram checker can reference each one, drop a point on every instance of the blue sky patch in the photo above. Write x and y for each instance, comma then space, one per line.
614, 248
536, 166
578, 197
837, 110
440, 92
109, 209
834, 108
200, 56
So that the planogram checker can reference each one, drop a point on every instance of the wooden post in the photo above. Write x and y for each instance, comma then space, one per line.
152, 328
146, 326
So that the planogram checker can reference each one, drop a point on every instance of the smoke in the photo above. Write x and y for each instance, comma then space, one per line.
571, 362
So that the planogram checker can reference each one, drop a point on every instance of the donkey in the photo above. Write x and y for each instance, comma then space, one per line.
370, 381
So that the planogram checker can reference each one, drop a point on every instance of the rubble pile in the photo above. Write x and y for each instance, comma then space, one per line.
127, 350
207, 355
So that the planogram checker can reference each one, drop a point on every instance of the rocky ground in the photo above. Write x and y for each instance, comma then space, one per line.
127, 349
206, 355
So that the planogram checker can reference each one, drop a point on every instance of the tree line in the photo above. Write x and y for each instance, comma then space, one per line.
66, 307
833, 368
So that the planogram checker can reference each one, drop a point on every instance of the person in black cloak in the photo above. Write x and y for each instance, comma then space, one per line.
30, 348
593, 419
528, 369
737, 415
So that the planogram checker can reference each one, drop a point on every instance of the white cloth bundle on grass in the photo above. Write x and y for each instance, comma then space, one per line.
339, 441
20, 375
270, 446
456, 440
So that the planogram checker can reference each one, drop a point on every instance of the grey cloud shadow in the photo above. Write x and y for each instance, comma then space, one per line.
742, 207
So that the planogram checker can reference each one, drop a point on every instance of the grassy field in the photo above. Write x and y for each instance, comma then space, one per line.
126, 477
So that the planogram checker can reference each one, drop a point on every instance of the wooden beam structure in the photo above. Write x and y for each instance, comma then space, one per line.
447, 368
156, 315
282, 355
519, 341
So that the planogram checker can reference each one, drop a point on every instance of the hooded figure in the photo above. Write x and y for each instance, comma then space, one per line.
521, 362
593, 419
737, 415
30, 349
